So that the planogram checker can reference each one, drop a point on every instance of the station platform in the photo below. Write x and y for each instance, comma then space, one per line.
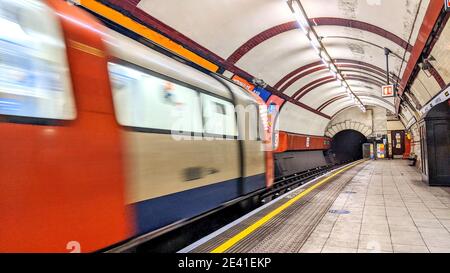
365, 207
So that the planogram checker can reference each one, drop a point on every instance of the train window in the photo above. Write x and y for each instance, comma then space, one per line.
34, 75
219, 116
146, 101
251, 118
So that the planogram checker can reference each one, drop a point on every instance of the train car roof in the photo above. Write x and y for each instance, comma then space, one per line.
241, 93
128, 50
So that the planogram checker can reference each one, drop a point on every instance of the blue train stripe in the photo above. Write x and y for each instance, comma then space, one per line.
159, 212
253, 183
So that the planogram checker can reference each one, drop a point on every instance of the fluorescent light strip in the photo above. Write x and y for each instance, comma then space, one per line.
311, 35
326, 63
301, 18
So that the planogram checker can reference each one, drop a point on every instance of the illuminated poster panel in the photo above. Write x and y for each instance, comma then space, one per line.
274, 104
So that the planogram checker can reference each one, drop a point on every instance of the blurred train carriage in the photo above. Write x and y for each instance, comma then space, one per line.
104, 139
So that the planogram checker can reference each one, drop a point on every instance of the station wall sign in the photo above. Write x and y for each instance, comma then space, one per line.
243, 83
263, 93
444, 95
273, 108
380, 150
387, 90
274, 103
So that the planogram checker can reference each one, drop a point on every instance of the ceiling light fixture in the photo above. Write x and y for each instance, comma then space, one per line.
303, 21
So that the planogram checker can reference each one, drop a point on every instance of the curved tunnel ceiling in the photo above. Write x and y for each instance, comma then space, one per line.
261, 39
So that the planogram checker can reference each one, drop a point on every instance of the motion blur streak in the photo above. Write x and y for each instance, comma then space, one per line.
88, 119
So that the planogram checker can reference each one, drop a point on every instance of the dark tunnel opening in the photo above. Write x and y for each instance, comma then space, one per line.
347, 145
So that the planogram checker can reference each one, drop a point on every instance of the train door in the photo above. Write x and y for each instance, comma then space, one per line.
180, 146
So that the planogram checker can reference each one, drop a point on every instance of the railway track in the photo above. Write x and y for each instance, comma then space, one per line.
174, 237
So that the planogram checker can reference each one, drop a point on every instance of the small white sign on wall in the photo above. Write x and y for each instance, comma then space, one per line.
387, 91
443, 96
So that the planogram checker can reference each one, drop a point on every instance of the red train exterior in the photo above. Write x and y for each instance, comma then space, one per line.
296, 142
66, 181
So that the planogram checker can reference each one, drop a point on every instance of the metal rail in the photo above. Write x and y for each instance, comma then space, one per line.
287, 183
182, 233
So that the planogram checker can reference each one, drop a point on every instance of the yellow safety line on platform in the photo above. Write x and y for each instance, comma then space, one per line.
234, 240
146, 32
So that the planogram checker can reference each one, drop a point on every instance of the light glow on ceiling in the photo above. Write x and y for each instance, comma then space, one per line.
303, 21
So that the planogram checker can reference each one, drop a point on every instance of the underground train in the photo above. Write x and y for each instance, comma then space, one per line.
104, 139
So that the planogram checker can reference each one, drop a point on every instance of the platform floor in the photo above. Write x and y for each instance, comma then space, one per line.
390, 210
374, 207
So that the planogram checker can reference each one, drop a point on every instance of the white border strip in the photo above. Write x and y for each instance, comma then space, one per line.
250, 214
441, 97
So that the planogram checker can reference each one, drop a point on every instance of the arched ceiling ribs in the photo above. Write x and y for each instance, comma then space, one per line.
325, 80
333, 129
321, 21
359, 72
427, 28
353, 106
259, 38
345, 27
308, 69
382, 70
295, 72
367, 102
437, 77
350, 23
362, 41
311, 86
303, 74
364, 79
363, 68
360, 94
342, 67
328, 102
342, 110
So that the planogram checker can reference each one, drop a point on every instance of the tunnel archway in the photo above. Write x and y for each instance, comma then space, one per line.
347, 145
